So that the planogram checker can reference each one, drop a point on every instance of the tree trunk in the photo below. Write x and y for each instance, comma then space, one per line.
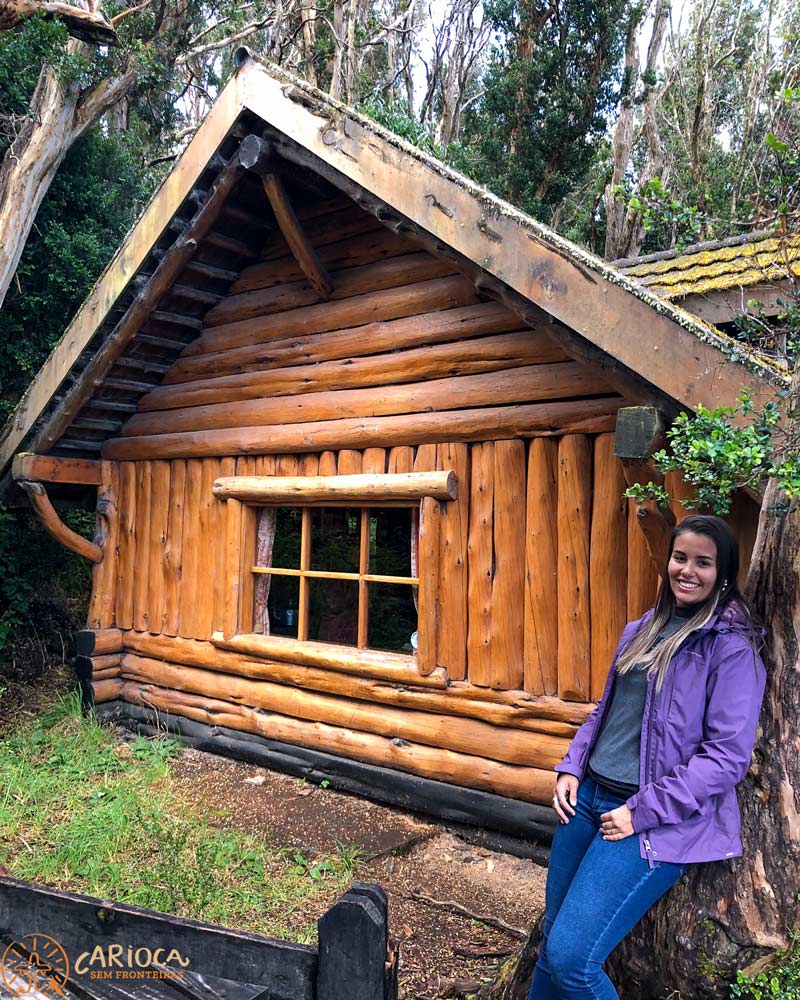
30, 165
732, 915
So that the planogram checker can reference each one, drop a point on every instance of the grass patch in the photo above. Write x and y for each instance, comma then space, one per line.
84, 812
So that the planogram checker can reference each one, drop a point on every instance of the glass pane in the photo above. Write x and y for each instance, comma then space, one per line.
286, 547
283, 602
390, 541
392, 617
335, 539
333, 611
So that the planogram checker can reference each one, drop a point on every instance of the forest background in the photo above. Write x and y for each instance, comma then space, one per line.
628, 126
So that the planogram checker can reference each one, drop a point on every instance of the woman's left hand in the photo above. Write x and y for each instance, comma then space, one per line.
616, 825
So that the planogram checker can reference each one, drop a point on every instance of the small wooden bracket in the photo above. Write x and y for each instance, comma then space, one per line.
47, 514
640, 433
258, 156
51, 469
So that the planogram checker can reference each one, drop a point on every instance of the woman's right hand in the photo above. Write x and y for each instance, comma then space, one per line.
565, 797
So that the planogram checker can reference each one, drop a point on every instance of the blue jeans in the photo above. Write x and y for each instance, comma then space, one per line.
597, 890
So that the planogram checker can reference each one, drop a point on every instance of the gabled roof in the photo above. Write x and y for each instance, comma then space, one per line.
142, 313
739, 262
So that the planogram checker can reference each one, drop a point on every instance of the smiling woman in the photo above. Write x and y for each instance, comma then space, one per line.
648, 785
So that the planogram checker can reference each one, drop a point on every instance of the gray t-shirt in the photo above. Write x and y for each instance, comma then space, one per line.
614, 762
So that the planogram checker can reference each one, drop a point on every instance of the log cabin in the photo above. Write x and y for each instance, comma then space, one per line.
359, 433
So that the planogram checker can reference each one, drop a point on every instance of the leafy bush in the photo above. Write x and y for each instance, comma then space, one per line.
780, 983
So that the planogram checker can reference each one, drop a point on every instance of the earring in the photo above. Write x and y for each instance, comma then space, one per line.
724, 584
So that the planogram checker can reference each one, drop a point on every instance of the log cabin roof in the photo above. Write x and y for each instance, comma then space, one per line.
208, 219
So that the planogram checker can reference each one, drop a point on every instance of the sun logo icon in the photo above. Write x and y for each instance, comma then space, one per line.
35, 962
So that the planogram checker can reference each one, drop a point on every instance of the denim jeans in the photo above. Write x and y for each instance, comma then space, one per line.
597, 890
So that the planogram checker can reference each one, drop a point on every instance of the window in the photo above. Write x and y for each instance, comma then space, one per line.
322, 570
337, 574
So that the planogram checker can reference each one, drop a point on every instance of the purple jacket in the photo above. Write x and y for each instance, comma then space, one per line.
697, 740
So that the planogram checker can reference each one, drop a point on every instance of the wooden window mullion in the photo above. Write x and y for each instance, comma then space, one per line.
305, 565
363, 593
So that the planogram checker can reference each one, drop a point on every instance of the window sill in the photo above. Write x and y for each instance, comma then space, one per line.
396, 667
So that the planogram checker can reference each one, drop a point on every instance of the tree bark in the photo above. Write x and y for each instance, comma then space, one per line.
60, 113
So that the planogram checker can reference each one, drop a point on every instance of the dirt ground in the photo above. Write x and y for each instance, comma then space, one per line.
406, 855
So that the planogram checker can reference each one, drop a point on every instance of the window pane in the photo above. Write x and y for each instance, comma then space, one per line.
333, 611
392, 617
283, 602
390, 541
286, 548
335, 539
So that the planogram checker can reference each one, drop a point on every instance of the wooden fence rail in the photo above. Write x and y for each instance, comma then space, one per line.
79, 946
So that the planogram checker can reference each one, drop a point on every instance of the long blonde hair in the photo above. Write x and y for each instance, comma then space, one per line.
644, 650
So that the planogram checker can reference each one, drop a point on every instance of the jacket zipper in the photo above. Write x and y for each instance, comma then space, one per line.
647, 764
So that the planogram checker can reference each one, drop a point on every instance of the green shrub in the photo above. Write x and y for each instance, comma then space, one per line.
780, 983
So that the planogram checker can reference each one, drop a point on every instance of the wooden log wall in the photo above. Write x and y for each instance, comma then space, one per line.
530, 562
404, 351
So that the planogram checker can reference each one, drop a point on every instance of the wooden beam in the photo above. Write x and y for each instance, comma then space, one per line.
50, 469
490, 423
370, 488
254, 154
52, 523
640, 432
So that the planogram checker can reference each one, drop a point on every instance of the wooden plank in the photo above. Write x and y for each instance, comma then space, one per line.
227, 467
349, 462
358, 310
366, 487
401, 459
531, 383
141, 576
363, 568
233, 567
508, 580
328, 464
104, 574
453, 578
608, 561
428, 590
480, 550
309, 465
372, 277
126, 554
157, 546
173, 551
418, 364
373, 461
191, 564
527, 783
207, 545
541, 569
483, 423
574, 527
50, 469
642, 576
353, 946
79, 922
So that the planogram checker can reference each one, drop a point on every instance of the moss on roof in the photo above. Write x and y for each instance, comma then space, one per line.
700, 271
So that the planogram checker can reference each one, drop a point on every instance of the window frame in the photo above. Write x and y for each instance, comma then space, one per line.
363, 577
244, 495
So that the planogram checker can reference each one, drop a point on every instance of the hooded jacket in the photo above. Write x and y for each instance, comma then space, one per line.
697, 739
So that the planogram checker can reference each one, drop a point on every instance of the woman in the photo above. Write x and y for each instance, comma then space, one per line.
648, 784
